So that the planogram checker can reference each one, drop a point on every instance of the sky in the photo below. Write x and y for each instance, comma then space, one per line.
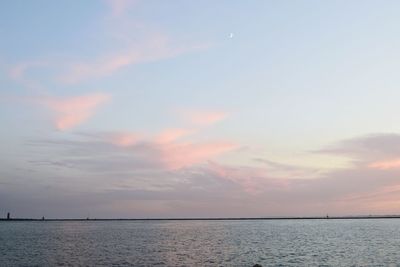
166, 109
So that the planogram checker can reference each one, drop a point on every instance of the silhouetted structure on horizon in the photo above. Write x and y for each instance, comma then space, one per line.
8, 216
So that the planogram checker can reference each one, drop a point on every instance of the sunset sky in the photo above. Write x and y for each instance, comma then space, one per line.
159, 109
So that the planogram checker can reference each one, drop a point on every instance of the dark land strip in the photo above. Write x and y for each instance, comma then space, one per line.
212, 219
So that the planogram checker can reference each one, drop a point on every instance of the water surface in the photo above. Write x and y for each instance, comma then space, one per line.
368, 242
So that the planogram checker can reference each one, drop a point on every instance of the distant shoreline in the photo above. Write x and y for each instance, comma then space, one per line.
212, 219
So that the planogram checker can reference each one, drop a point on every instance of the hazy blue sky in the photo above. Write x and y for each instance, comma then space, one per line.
199, 108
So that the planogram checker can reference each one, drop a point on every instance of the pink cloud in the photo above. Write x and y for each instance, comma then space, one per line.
253, 180
18, 71
178, 156
72, 111
171, 135
166, 151
118, 7
124, 139
354, 190
383, 200
157, 47
128, 139
202, 117
19, 74
385, 165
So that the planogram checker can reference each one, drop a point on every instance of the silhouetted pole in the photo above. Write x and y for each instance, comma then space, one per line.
8, 216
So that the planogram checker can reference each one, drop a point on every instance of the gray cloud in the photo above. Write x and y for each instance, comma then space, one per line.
77, 177
369, 147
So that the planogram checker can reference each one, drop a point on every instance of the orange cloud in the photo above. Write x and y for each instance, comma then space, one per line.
385, 165
73, 111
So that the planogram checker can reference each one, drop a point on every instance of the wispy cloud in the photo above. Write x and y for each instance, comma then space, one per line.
72, 111
153, 48
366, 148
177, 156
386, 164
19, 72
202, 117
168, 149
171, 135
119, 7
189, 171
138, 152
124, 139
142, 44
253, 180
375, 151
281, 170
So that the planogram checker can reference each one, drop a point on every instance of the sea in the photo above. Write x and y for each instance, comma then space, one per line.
333, 242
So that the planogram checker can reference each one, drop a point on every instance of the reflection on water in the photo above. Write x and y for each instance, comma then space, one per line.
201, 243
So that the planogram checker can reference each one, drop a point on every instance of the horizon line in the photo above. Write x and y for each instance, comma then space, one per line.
211, 218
